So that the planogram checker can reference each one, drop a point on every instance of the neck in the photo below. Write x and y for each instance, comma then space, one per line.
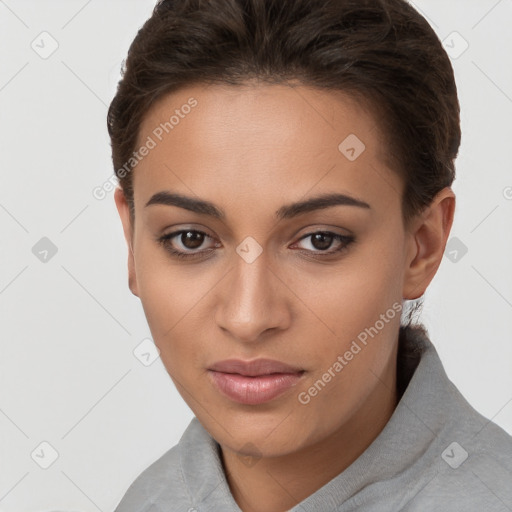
276, 484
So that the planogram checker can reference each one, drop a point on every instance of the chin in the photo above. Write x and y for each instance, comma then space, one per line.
271, 436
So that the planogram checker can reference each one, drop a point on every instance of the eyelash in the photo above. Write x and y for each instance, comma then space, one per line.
165, 242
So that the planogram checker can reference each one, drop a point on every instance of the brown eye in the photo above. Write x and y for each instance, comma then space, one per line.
184, 243
192, 239
321, 241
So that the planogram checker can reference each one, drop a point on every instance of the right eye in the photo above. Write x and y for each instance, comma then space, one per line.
184, 243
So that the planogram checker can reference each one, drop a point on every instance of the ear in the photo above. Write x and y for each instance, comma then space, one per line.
428, 235
124, 212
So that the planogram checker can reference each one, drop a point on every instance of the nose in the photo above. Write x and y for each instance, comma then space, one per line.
253, 301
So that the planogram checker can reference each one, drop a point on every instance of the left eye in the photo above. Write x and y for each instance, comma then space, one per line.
321, 241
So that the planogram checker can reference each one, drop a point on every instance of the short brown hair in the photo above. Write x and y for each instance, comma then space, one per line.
381, 51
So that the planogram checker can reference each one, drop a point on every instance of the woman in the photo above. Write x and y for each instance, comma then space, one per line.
285, 177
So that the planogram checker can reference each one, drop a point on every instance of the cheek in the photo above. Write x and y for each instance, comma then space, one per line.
346, 298
177, 303
346, 367
357, 313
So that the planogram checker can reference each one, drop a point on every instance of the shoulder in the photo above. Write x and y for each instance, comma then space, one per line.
186, 475
466, 467
473, 462
154, 484
466, 463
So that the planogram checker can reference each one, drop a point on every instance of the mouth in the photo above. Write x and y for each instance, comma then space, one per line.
253, 382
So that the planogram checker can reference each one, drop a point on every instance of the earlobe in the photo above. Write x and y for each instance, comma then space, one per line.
427, 243
123, 209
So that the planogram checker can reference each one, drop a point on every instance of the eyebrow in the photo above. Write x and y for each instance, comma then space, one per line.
203, 207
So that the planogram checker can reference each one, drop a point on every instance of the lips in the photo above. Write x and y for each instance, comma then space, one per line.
253, 382
254, 368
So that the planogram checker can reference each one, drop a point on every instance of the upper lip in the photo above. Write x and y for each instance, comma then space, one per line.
253, 368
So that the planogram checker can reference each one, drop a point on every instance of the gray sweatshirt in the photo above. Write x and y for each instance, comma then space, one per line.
436, 453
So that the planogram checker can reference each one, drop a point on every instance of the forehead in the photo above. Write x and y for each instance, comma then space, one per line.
263, 141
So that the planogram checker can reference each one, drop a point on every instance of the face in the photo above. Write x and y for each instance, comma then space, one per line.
255, 264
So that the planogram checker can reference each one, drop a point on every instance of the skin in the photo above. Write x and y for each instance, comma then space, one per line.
250, 150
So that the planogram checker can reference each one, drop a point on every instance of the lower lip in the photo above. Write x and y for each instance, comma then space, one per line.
254, 390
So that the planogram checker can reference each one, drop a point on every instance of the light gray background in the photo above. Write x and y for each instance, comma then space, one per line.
69, 326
